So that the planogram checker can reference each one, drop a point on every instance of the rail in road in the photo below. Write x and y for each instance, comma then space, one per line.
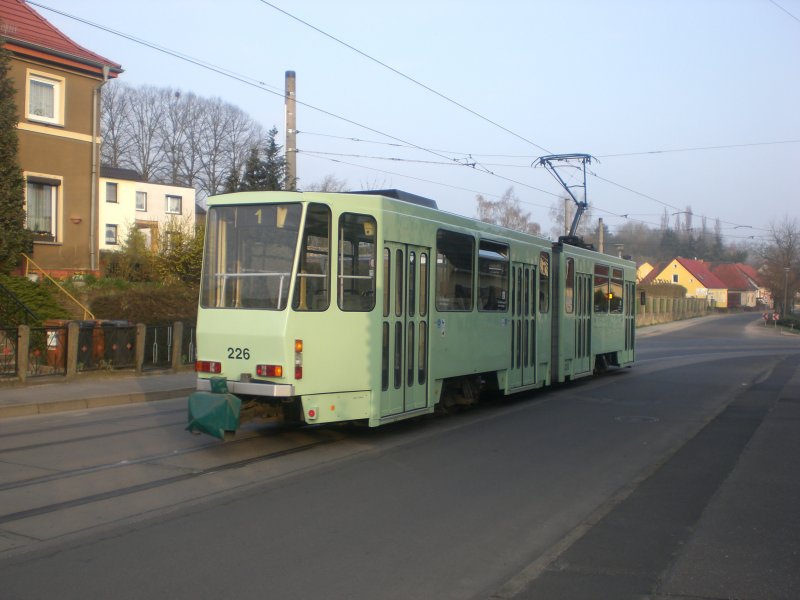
596, 489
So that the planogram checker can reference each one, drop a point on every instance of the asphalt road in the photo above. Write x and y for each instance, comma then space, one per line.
622, 486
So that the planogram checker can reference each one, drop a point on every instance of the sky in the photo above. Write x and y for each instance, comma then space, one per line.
682, 103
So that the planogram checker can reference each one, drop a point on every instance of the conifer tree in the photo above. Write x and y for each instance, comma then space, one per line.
265, 169
15, 239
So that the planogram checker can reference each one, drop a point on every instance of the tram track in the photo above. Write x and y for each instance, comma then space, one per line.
149, 485
151, 458
85, 438
90, 423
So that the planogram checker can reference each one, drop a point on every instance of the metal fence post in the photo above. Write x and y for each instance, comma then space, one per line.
23, 344
72, 348
141, 332
177, 344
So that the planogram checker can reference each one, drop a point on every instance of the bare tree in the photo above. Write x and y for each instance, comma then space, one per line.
506, 212
242, 135
175, 137
781, 270
329, 183
147, 113
115, 123
562, 211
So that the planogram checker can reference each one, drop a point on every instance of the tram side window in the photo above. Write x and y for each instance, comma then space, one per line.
356, 261
312, 285
454, 267
492, 276
601, 288
544, 282
615, 300
569, 287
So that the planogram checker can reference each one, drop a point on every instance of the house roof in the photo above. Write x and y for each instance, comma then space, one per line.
28, 33
654, 272
751, 273
702, 273
733, 278
119, 173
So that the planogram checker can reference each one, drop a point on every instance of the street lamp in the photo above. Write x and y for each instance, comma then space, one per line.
785, 291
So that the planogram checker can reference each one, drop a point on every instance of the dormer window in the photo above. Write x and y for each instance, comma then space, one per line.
45, 102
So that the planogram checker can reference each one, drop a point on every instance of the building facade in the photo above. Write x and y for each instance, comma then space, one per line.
695, 276
58, 85
128, 202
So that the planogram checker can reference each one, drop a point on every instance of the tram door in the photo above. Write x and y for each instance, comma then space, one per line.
630, 315
522, 368
406, 292
583, 323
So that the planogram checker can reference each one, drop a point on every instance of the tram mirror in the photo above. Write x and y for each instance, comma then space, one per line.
642, 298
282, 211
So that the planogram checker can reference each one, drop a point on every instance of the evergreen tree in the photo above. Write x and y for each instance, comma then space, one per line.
15, 238
265, 168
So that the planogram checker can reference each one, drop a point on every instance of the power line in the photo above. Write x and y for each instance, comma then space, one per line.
699, 148
403, 75
528, 156
261, 86
243, 79
448, 99
253, 82
786, 11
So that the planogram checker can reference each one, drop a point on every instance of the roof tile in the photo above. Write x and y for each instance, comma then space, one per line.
21, 24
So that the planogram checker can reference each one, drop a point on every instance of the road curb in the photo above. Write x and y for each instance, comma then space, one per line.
57, 406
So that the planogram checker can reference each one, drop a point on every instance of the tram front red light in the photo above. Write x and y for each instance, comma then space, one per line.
207, 366
269, 370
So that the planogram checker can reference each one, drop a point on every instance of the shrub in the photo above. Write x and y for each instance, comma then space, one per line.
152, 304
36, 296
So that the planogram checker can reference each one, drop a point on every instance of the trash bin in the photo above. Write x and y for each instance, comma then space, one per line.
56, 343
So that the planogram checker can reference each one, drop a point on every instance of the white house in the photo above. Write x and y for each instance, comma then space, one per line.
126, 201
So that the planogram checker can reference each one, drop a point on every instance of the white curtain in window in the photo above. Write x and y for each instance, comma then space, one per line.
42, 99
40, 207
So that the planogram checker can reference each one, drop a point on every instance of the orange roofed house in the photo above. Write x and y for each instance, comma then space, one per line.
58, 100
744, 287
695, 276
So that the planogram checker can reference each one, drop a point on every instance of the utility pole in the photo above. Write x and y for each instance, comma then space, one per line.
600, 235
291, 131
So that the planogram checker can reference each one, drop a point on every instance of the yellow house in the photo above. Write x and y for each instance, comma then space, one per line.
697, 278
643, 270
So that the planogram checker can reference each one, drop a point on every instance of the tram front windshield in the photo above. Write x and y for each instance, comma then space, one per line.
249, 253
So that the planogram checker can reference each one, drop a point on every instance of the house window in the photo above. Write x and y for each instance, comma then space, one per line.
111, 192
174, 204
41, 204
45, 98
675, 278
141, 200
111, 234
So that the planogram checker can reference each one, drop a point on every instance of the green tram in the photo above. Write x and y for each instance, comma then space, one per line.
376, 306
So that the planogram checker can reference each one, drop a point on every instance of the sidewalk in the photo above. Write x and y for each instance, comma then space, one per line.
92, 390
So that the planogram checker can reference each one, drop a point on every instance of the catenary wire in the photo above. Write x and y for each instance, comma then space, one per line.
262, 86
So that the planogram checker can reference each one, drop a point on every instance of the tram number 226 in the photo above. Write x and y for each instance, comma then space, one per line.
239, 353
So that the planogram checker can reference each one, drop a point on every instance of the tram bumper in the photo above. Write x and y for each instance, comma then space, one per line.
215, 412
